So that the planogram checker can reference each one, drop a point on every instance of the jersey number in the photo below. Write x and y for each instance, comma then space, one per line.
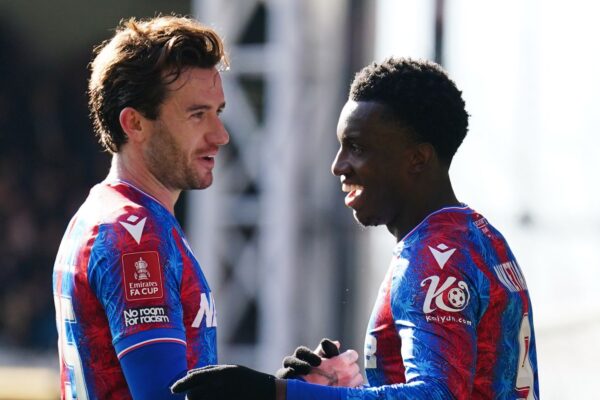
370, 350
524, 387
69, 356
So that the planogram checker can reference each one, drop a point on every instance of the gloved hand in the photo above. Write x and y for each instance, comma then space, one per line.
304, 359
226, 382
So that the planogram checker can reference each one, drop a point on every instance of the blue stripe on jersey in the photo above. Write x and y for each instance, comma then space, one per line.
145, 380
299, 390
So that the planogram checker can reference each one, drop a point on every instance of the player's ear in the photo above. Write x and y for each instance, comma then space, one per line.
133, 124
421, 156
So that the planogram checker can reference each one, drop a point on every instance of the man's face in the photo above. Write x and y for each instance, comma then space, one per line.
372, 163
187, 134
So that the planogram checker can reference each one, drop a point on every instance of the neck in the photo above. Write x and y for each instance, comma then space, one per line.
435, 195
126, 168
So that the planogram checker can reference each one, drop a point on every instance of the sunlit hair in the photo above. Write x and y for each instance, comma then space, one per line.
420, 96
134, 67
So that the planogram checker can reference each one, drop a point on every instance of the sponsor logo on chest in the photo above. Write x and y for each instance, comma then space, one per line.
448, 293
452, 295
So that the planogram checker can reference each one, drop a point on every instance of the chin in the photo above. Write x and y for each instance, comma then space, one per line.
199, 183
366, 220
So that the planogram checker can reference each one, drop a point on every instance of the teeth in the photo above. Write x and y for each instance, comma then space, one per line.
350, 188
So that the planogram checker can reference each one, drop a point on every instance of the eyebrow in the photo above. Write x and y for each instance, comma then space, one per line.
351, 134
203, 107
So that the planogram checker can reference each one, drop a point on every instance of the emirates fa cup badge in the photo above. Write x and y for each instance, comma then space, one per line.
141, 270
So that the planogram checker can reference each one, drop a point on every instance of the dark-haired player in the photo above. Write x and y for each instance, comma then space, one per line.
453, 317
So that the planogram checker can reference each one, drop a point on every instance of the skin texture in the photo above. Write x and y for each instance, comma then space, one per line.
177, 150
391, 179
341, 370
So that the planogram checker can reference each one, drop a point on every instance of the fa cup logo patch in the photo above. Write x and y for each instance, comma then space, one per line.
141, 270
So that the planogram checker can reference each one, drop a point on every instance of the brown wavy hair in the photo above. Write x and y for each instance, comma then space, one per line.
134, 67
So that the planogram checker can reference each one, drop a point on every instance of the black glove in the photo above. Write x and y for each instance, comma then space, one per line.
226, 382
303, 359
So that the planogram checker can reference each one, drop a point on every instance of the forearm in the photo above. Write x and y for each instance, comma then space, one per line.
420, 390
299, 390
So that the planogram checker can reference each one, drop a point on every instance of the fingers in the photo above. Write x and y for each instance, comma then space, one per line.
303, 360
285, 373
350, 355
297, 365
328, 348
356, 380
194, 378
307, 355
342, 370
300, 363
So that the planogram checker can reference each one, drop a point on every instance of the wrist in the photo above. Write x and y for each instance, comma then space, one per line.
280, 389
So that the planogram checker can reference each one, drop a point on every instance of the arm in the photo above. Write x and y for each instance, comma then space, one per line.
139, 291
436, 310
151, 370
437, 326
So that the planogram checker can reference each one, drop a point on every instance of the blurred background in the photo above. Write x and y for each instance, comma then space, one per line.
285, 260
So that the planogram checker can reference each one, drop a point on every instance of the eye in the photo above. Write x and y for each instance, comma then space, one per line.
355, 148
198, 115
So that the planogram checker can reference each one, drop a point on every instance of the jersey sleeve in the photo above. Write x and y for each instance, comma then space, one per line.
438, 297
135, 272
145, 380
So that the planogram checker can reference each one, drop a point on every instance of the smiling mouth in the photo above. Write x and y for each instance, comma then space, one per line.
206, 161
354, 192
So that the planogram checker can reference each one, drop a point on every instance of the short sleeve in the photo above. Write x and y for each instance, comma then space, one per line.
135, 272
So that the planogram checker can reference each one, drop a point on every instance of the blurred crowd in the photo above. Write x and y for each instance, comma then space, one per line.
49, 159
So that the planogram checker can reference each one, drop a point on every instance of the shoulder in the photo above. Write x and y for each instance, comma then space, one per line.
437, 235
134, 233
444, 243
127, 218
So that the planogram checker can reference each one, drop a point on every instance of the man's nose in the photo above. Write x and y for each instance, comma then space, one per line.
219, 135
339, 166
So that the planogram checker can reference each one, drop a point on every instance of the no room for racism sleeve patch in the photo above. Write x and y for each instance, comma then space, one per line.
142, 276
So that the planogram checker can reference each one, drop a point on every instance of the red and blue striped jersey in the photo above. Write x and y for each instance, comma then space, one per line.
453, 317
125, 278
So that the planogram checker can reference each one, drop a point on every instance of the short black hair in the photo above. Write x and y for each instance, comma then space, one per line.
421, 96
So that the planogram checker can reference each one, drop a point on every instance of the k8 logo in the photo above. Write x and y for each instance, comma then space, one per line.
451, 296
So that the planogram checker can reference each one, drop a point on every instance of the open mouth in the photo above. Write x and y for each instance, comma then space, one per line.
354, 192
207, 161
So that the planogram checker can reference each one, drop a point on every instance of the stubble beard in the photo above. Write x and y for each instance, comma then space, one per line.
170, 164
